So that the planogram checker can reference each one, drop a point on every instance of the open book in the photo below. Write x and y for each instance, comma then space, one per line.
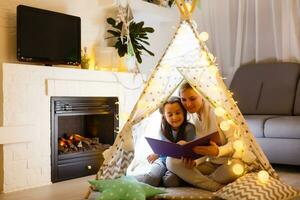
174, 150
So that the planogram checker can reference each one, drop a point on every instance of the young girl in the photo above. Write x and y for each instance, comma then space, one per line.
174, 128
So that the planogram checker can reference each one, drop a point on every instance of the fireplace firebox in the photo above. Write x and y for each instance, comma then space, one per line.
81, 129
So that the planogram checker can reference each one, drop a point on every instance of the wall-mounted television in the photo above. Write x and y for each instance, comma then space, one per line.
48, 37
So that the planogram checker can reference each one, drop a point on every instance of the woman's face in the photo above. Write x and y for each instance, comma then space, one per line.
174, 115
191, 100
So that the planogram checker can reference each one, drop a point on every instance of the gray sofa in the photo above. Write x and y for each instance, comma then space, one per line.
268, 95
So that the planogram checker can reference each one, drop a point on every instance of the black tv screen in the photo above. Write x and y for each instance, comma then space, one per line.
48, 37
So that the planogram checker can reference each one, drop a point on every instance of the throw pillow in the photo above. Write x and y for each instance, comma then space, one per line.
249, 187
124, 188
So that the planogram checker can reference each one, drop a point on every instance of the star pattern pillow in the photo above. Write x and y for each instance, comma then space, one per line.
249, 187
125, 188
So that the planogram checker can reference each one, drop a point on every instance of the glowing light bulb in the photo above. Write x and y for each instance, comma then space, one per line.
238, 169
225, 125
237, 134
142, 104
203, 36
238, 145
263, 176
214, 69
219, 111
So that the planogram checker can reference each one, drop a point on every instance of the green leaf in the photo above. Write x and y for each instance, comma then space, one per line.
138, 58
148, 29
149, 52
111, 21
114, 33
139, 26
119, 25
130, 49
144, 37
143, 41
122, 50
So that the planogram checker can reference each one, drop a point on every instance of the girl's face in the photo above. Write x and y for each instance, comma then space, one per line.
191, 100
174, 115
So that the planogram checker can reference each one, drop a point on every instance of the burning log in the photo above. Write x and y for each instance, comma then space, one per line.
78, 143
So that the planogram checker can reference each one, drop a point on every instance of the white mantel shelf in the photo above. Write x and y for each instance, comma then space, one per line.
26, 128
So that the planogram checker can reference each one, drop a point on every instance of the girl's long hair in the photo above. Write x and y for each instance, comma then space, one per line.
166, 128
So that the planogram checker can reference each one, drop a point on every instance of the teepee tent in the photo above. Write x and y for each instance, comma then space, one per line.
186, 58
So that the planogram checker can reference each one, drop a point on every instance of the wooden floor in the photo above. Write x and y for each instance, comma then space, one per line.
76, 188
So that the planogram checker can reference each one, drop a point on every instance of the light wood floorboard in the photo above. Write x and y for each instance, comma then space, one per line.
75, 189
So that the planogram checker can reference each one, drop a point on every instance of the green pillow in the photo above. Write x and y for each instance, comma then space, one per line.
124, 188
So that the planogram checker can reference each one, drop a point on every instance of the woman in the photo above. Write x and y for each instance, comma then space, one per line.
212, 170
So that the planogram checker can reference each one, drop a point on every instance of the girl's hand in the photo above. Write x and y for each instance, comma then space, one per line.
188, 163
181, 142
212, 150
152, 157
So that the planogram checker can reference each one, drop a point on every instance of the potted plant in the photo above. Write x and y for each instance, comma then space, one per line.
133, 40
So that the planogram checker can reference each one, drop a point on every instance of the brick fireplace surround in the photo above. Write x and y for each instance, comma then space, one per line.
25, 115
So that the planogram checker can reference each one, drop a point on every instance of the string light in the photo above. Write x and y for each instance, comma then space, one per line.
219, 111
142, 104
225, 125
214, 69
237, 134
263, 176
238, 169
238, 145
203, 36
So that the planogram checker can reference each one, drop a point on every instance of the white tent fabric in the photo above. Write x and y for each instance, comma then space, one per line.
186, 58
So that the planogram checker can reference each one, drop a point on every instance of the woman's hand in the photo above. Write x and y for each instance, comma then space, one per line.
211, 150
188, 163
152, 157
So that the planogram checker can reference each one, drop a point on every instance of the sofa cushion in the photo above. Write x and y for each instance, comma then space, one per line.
283, 127
297, 100
281, 150
266, 88
256, 123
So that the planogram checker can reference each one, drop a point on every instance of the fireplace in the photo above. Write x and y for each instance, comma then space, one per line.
81, 129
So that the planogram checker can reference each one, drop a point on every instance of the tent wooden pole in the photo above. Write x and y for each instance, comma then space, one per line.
184, 10
194, 3
179, 7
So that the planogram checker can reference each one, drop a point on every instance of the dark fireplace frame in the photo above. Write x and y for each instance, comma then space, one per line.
74, 165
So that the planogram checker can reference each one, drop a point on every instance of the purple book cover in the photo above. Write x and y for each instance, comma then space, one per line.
174, 150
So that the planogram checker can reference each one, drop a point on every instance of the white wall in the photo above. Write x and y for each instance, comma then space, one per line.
93, 14
25, 132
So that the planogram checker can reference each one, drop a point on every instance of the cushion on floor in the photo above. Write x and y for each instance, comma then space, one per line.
126, 188
176, 193
249, 187
185, 193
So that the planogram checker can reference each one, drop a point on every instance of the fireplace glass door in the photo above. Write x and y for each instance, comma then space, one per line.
82, 128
